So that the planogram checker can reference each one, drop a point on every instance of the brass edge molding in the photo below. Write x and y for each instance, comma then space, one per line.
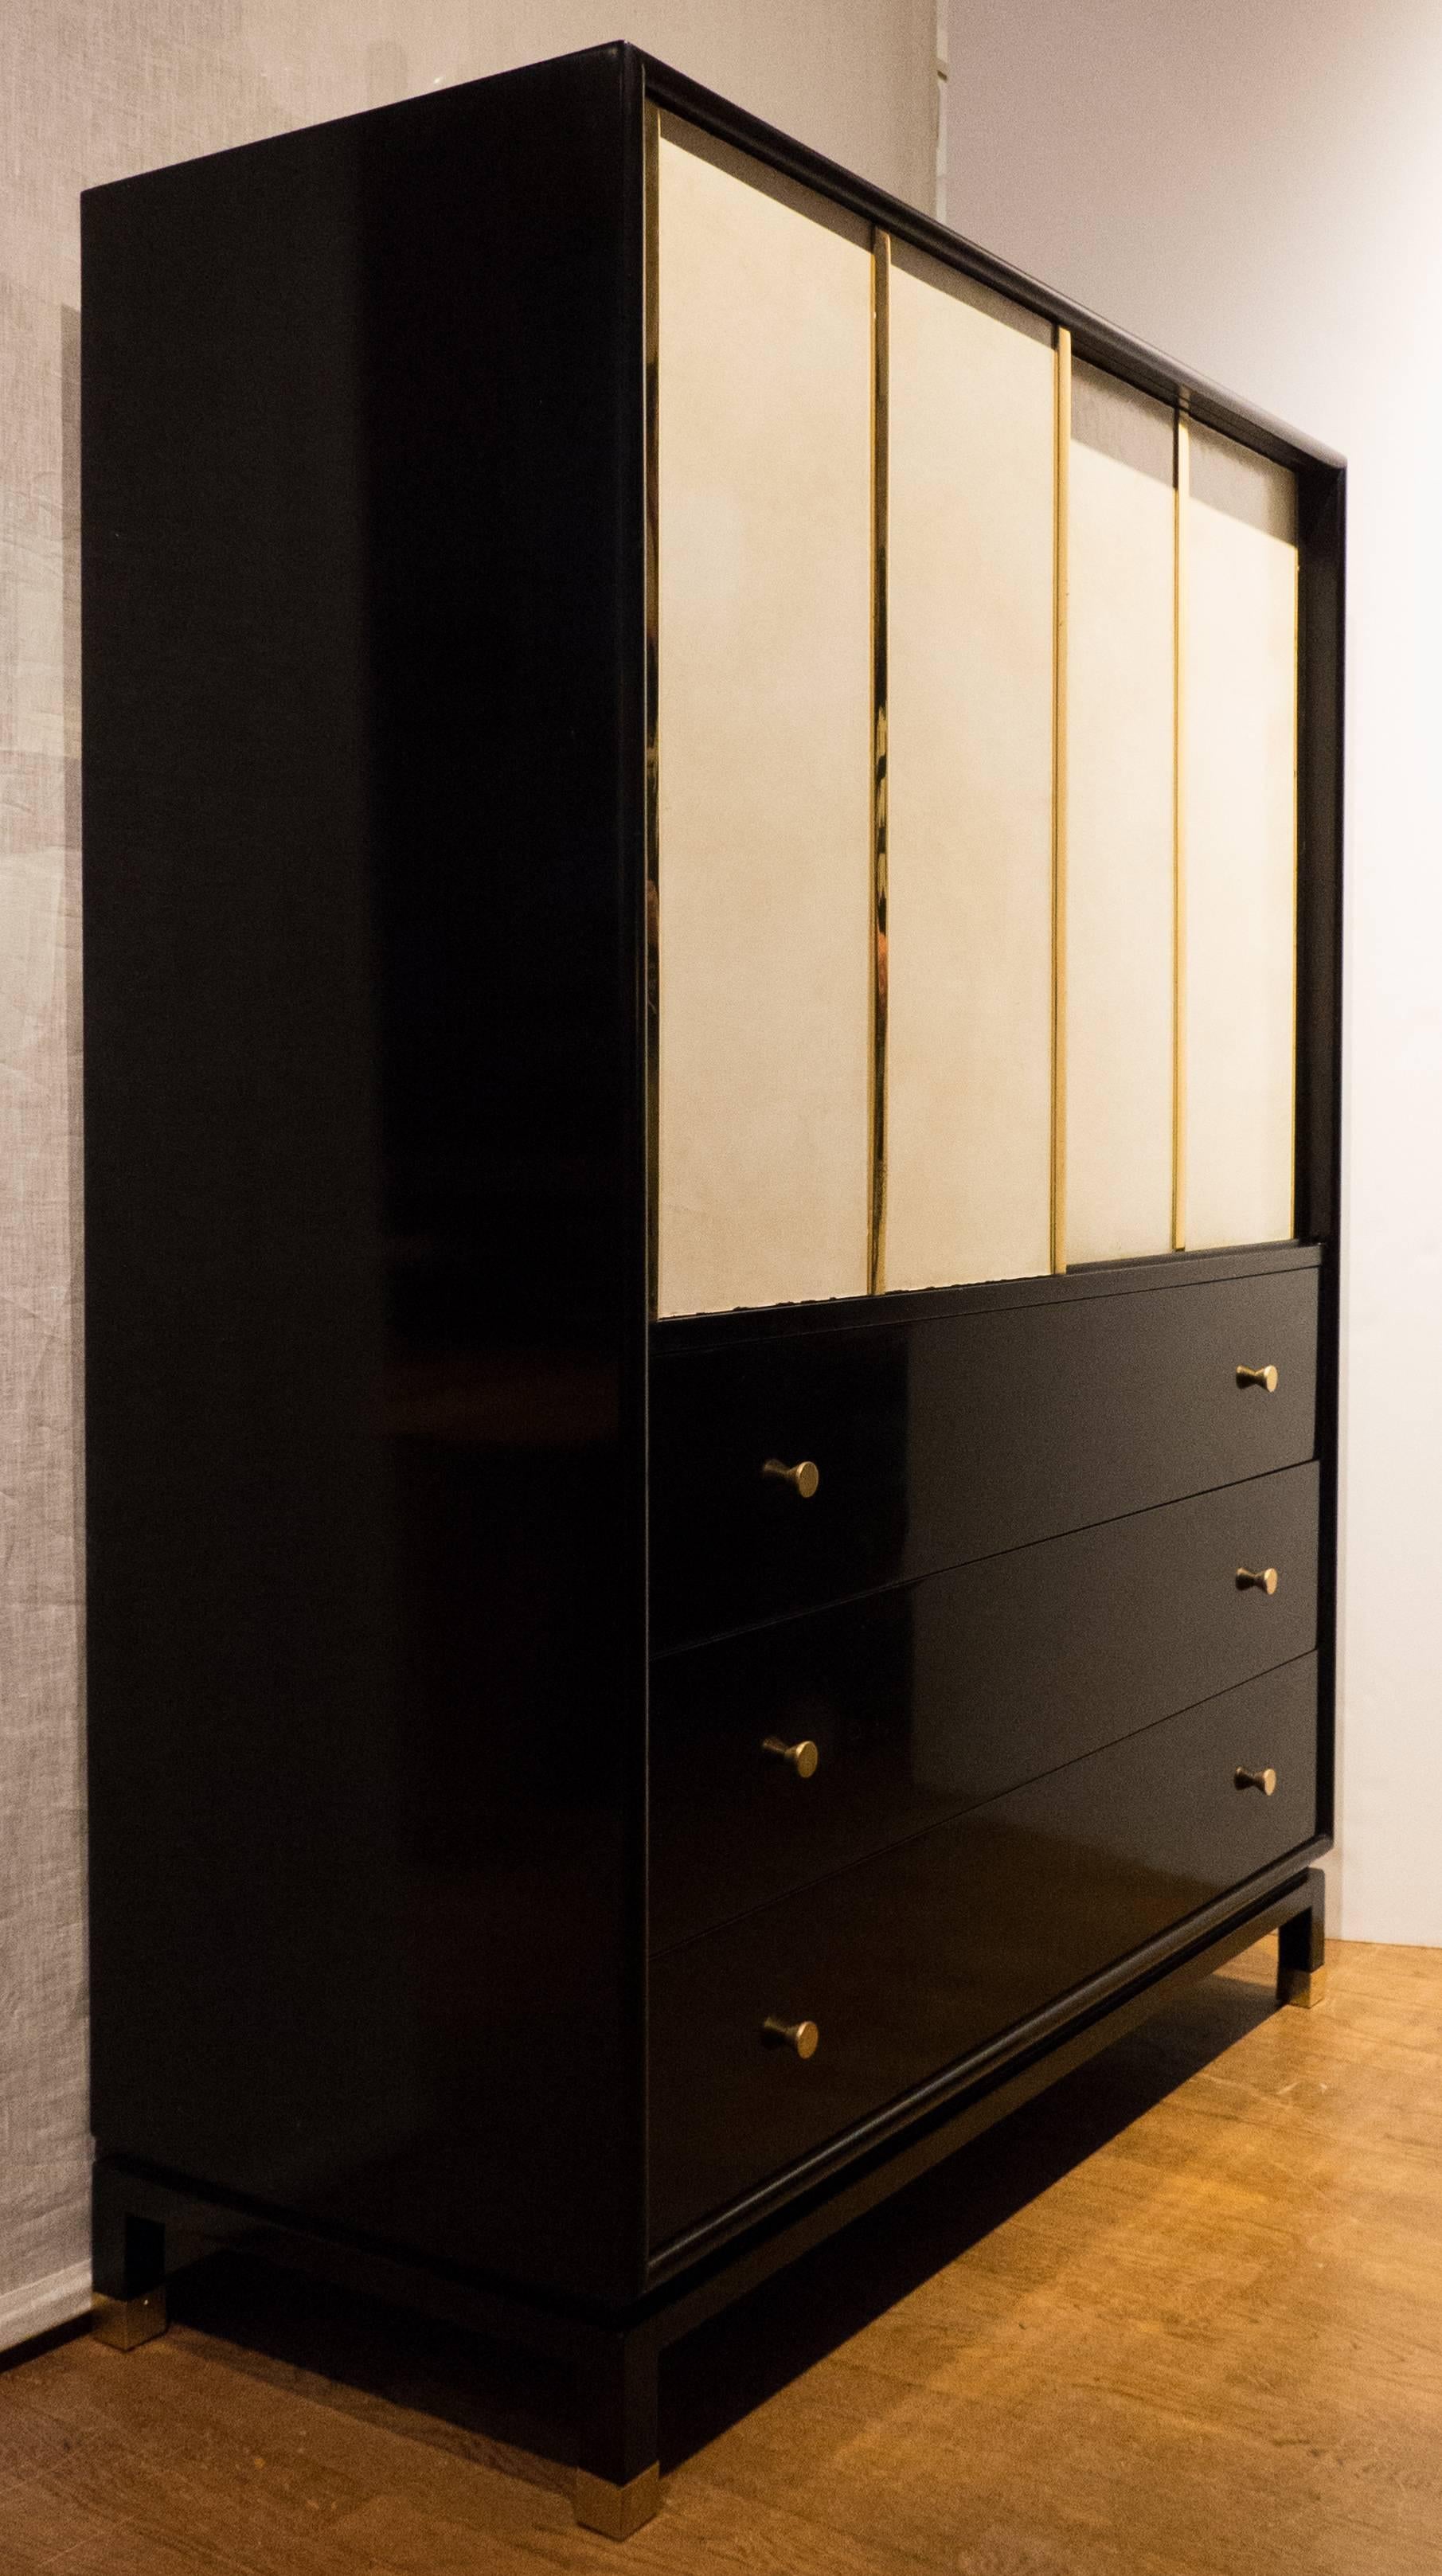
652, 327
1181, 495
880, 866
1061, 495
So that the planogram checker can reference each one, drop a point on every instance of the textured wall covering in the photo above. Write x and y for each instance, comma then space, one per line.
91, 90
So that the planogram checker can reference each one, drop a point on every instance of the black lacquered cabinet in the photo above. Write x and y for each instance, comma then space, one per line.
711, 1408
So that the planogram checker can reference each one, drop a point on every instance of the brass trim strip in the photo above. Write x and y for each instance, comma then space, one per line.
1061, 492
1181, 497
880, 512
652, 327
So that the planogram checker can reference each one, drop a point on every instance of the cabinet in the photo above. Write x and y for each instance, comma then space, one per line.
711, 845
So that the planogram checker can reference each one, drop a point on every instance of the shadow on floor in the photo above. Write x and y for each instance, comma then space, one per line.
459, 2394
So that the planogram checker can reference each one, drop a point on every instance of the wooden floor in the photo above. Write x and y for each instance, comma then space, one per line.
1182, 2318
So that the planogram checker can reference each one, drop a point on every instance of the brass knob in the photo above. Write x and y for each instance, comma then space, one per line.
1266, 1781
1265, 1378
803, 1480
1266, 1581
801, 2036
803, 1757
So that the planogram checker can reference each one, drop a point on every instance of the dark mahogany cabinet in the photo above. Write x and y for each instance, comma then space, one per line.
711, 1005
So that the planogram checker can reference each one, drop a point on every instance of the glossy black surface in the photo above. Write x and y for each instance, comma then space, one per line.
165, 2217
365, 1236
942, 1441
916, 1957
366, 776
934, 1696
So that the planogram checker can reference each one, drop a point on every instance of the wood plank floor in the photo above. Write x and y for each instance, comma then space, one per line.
1182, 2318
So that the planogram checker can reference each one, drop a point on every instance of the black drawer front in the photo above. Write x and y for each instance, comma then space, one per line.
940, 1441
934, 1696
731, 1545
920, 1956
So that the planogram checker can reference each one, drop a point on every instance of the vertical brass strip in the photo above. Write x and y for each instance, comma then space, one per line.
652, 327
1061, 488
880, 506
1180, 498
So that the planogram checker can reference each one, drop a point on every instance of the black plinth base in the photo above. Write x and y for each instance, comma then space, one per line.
616, 2357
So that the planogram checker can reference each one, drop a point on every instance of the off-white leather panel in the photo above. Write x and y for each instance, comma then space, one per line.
1241, 857
765, 746
970, 771
1242, 483
1119, 908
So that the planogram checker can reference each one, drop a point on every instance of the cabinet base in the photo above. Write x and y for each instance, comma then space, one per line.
1306, 1987
1302, 1949
125, 2324
617, 2512
615, 2357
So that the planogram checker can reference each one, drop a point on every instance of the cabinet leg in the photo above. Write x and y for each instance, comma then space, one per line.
618, 2476
1302, 1950
128, 2301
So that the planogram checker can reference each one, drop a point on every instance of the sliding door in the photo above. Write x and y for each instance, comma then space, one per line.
972, 416
765, 739
1120, 816
1240, 843
977, 743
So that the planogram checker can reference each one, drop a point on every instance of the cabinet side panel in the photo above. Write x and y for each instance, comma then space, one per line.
1120, 777
366, 1274
765, 745
1241, 845
969, 947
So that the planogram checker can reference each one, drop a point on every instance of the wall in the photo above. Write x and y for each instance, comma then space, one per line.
91, 90
1259, 190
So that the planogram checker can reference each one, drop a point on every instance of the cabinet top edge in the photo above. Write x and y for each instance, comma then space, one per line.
680, 1334
610, 67
1094, 339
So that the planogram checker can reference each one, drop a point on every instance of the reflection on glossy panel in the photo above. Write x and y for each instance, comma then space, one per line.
970, 782
912, 1959
929, 1697
765, 743
1241, 844
1120, 773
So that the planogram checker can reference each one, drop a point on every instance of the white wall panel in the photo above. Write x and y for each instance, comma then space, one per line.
1260, 190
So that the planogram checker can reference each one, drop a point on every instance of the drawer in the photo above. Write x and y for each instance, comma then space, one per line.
916, 1958
730, 1544
934, 1696
953, 1438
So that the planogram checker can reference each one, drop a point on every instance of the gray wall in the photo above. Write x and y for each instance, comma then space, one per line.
1259, 189
89, 93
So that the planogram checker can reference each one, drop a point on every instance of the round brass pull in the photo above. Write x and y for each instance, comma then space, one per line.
802, 1757
802, 2037
1266, 1781
1265, 1581
803, 1480
1265, 1378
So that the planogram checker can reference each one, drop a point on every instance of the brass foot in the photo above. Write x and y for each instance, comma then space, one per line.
1305, 1987
614, 2511
125, 2324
